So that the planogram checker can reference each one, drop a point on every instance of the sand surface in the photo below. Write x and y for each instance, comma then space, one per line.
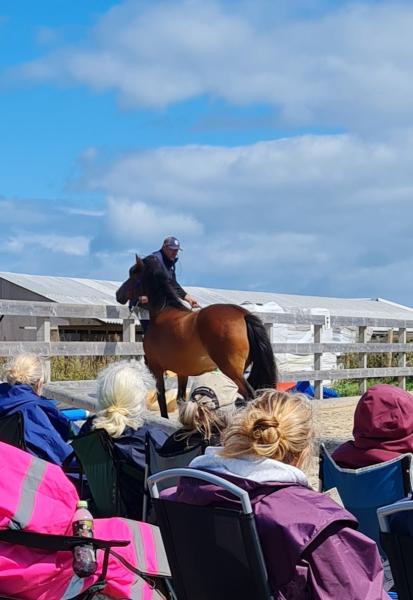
334, 425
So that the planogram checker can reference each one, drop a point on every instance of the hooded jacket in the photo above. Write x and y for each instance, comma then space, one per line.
383, 428
46, 430
310, 544
37, 496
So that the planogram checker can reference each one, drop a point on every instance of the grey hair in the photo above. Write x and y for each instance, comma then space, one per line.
122, 388
27, 368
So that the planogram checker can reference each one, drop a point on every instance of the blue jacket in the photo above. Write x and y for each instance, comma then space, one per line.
46, 430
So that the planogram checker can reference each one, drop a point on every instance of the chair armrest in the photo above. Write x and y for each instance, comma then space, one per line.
56, 543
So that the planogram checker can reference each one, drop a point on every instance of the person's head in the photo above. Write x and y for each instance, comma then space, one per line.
26, 368
384, 418
382, 430
275, 425
211, 404
121, 392
171, 247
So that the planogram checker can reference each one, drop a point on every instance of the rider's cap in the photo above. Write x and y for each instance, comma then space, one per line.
172, 242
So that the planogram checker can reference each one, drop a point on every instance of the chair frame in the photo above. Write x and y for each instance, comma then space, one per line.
406, 465
148, 442
239, 493
396, 546
391, 509
117, 502
406, 458
59, 543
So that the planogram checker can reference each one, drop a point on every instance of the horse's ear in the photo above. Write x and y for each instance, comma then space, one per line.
139, 262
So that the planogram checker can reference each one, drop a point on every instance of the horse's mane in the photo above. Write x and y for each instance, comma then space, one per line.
158, 286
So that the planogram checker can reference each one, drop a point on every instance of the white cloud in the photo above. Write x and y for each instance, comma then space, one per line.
84, 212
350, 66
340, 171
302, 215
134, 221
70, 245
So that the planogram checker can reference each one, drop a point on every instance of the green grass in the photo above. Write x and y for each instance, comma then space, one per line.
73, 368
350, 387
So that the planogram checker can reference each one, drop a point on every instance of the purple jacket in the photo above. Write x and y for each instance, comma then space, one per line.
310, 545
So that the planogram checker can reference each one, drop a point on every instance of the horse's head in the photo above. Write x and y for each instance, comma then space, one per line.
131, 289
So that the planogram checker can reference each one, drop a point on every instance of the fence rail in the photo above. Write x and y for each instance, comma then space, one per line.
46, 312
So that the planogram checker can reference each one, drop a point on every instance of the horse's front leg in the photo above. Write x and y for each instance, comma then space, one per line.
182, 383
160, 391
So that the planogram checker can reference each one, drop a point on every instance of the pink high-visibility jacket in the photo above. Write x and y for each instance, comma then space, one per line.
37, 496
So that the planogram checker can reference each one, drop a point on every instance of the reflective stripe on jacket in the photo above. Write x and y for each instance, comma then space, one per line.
37, 496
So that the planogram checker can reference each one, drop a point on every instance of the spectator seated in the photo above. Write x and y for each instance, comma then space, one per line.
310, 544
37, 505
45, 430
396, 531
120, 455
213, 399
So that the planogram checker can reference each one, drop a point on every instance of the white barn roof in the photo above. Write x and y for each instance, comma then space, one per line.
73, 290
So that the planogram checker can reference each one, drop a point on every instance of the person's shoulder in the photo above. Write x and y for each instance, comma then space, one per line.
295, 502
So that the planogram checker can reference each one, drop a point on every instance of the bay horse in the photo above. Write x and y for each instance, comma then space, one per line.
189, 342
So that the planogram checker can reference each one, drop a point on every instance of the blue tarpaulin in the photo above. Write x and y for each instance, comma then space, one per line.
304, 387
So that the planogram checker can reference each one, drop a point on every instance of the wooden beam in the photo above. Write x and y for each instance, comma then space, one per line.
73, 348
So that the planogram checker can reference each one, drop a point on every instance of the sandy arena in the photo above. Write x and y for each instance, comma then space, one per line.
334, 425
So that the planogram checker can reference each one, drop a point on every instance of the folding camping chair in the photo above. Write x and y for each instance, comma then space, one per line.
214, 553
12, 430
396, 534
96, 455
58, 543
364, 490
157, 461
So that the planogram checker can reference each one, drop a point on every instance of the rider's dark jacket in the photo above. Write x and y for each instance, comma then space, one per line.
169, 266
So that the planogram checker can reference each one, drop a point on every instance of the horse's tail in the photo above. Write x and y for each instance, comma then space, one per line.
264, 370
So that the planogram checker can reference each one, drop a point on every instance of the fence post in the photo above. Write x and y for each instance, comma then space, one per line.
363, 358
128, 330
318, 383
402, 357
43, 335
390, 354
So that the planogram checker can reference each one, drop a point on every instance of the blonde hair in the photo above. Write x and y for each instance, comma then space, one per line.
201, 415
26, 368
276, 425
122, 388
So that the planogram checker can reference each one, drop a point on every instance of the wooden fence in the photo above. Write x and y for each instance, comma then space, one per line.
43, 312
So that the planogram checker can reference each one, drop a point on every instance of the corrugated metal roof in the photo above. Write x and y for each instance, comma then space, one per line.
72, 290
349, 307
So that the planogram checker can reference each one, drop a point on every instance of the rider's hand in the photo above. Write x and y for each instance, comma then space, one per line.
192, 301
143, 299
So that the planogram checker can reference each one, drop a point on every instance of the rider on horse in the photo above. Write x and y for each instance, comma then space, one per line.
167, 257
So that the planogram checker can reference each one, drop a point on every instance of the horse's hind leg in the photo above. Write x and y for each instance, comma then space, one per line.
233, 367
182, 383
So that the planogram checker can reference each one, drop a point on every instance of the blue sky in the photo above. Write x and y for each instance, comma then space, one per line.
274, 138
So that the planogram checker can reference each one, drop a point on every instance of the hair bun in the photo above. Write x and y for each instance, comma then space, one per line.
261, 426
